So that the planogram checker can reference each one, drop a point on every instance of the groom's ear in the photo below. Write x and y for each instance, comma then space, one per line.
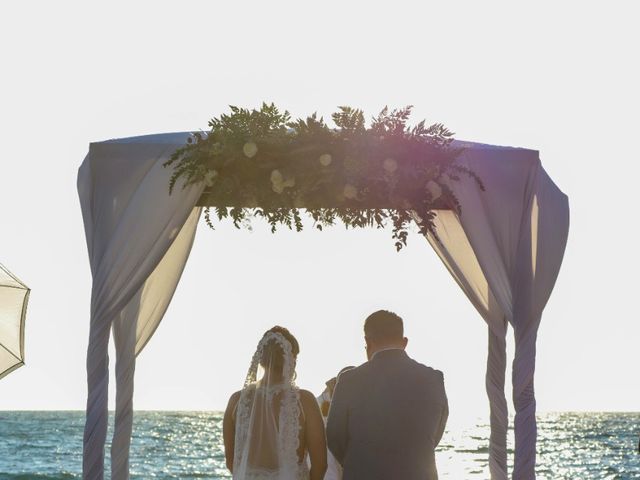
405, 341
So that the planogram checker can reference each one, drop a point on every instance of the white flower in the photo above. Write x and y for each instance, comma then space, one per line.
434, 189
276, 177
209, 177
249, 149
325, 159
390, 165
279, 183
350, 191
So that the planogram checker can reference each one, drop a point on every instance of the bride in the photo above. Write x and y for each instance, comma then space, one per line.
271, 426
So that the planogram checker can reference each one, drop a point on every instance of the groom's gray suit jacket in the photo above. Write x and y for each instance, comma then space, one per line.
386, 418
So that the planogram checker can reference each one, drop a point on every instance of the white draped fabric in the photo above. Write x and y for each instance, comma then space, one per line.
504, 251
138, 239
14, 296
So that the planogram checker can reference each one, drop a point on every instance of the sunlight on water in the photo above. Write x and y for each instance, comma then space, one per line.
188, 445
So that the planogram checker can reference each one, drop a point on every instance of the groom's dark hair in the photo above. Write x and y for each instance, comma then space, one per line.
383, 325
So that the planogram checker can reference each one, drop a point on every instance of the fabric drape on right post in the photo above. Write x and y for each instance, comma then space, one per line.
505, 252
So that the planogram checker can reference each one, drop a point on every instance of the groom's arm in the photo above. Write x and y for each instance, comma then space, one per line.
444, 412
337, 422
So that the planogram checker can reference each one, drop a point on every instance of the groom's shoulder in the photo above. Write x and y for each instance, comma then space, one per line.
428, 372
353, 374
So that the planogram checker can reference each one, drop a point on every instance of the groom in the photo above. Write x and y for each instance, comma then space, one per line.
388, 415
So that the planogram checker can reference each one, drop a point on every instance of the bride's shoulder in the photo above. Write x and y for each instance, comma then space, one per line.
308, 402
305, 393
307, 397
233, 399
230, 411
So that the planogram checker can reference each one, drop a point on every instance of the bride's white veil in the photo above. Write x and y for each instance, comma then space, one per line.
268, 413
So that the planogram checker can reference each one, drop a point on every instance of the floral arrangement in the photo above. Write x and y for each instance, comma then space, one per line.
260, 163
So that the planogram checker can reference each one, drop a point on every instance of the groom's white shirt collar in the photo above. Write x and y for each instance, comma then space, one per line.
385, 350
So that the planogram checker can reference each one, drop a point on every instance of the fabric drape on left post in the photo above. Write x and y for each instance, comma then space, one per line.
138, 238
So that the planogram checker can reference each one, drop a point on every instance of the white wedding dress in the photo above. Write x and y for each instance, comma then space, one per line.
269, 417
334, 469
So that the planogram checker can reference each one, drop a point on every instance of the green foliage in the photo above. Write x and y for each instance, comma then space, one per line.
260, 163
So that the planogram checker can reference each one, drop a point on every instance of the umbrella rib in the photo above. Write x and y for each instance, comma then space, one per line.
13, 286
11, 369
4, 269
10, 352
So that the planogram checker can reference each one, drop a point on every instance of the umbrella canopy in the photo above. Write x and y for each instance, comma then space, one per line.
14, 296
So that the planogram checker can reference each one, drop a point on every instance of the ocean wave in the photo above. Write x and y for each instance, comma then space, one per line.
36, 476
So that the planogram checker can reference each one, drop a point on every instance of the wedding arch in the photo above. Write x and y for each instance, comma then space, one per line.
492, 214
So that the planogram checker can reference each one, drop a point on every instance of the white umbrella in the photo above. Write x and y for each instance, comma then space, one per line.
14, 296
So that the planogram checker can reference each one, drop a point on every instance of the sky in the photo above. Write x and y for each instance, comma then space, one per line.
557, 77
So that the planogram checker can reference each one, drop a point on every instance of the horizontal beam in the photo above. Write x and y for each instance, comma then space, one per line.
206, 201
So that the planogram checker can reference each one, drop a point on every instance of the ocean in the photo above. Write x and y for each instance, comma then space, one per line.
188, 445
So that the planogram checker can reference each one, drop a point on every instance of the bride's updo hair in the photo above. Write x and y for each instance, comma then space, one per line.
273, 351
